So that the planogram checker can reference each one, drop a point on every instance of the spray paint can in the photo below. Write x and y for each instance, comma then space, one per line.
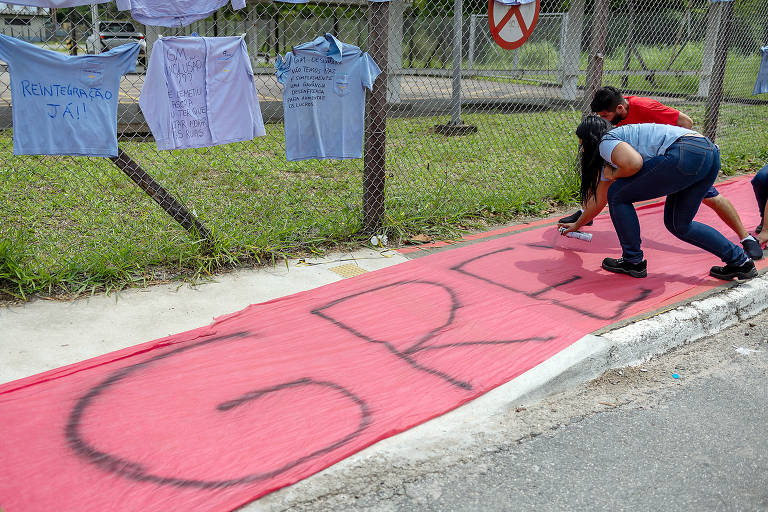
587, 237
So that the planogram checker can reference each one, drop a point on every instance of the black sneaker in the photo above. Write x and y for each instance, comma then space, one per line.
620, 266
573, 218
752, 248
728, 272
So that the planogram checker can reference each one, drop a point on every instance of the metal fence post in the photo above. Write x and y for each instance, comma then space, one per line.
715, 95
395, 51
252, 37
472, 36
714, 18
456, 54
374, 172
94, 29
630, 44
596, 52
72, 32
455, 126
574, 21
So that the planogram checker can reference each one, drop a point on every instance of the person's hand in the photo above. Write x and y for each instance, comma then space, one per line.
609, 173
762, 237
566, 227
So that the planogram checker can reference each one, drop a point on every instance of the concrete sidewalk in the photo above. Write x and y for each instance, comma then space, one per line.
43, 335
46, 334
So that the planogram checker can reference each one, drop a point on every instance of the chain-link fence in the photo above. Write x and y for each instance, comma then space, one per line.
459, 131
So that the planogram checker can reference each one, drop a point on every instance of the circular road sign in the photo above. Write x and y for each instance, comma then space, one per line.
512, 25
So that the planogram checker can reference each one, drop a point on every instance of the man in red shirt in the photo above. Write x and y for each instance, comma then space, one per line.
619, 110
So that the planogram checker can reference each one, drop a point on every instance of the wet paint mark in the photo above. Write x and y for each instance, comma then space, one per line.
622, 306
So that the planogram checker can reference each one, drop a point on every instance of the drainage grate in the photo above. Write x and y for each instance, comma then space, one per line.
348, 270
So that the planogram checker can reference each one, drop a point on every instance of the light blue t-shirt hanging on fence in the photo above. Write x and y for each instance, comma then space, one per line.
54, 4
65, 104
761, 85
199, 92
324, 84
173, 13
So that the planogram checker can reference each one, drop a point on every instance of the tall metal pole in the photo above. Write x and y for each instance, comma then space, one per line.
455, 125
715, 96
472, 36
629, 44
571, 49
94, 28
456, 51
714, 17
596, 52
72, 32
374, 172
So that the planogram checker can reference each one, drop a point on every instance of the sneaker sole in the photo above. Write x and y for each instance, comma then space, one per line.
633, 273
740, 275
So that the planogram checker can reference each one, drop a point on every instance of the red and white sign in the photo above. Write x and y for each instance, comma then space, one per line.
512, 25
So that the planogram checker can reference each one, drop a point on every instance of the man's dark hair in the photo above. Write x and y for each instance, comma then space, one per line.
606, 98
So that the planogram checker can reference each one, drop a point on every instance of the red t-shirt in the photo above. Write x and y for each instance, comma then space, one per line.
648, 110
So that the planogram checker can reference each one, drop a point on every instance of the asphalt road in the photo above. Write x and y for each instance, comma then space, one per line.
412, 88
419, 95
634, 439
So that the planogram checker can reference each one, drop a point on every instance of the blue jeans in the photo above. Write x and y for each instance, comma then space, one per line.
683, 174
760, 186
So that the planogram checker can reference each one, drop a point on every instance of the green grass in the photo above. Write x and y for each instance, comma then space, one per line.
740, 71
79, 225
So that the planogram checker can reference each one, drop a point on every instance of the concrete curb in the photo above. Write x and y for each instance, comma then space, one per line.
476, 423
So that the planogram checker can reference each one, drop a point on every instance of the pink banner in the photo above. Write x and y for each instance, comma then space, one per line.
215, 417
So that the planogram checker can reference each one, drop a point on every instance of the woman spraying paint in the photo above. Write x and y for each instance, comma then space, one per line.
637, 162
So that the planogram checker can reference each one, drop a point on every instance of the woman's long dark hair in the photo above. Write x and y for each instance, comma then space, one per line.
590, 131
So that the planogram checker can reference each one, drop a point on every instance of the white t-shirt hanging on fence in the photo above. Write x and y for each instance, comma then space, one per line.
199, 92
324, 84
173, 13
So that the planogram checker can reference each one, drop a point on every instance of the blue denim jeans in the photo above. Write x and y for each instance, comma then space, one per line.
683, 174
760, 186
